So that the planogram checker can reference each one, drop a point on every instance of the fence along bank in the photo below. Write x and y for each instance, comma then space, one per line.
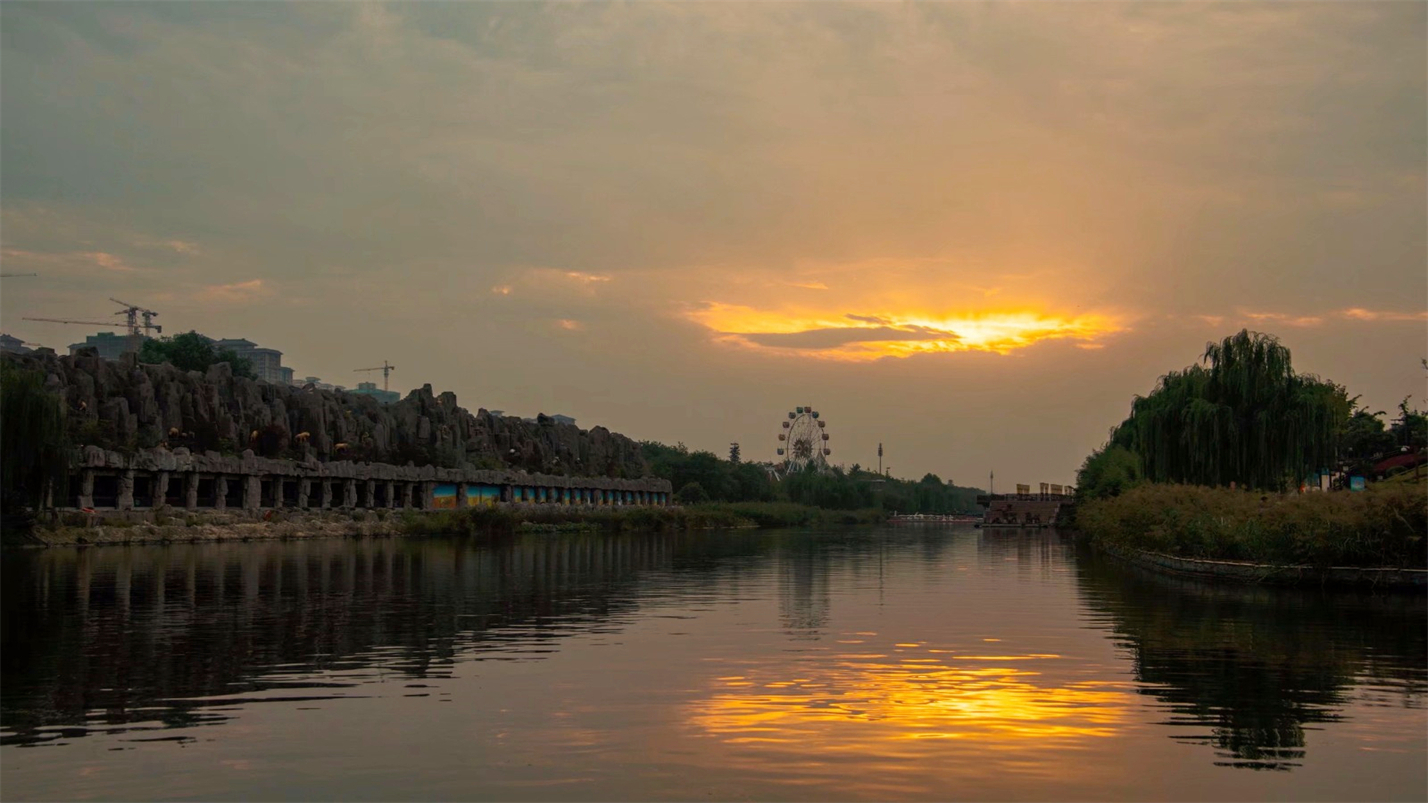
153, 480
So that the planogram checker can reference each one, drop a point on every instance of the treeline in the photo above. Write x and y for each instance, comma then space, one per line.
701, 476
1242, 416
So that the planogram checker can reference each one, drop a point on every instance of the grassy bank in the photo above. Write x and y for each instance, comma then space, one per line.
1384, 526
710, 516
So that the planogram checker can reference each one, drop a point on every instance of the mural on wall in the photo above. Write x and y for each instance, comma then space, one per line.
443, 497
482, 495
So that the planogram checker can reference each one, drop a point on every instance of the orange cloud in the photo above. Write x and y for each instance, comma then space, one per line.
236, 292
587, 278
1360, 314
862, 337
1286, 319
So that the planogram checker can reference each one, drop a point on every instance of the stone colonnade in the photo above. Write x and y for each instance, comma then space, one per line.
157, 478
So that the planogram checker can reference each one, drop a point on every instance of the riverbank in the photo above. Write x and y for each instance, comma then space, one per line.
711, 516
1325, 537
81, 529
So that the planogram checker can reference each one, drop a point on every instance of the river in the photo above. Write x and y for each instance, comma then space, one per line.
912, 662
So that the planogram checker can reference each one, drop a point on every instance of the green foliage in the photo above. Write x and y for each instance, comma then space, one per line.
721, 480
835, 489
1410, 430
1108, 472
1242, 416
34, 459
692, 494
1363, 440
1383, 526
192, 352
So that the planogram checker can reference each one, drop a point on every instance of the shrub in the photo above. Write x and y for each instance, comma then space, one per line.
1383, 526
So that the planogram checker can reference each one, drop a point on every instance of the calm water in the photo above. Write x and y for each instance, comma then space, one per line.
917, 663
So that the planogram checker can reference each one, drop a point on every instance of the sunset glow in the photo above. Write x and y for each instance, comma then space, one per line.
872, 336
862, 701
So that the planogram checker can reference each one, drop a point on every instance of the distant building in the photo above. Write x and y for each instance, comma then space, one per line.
555, 419
371, 389
110, 345
287, 374
267, 363
14, 345
497, 413
318, 384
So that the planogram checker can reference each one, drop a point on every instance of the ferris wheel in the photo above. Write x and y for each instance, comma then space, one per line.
803, 444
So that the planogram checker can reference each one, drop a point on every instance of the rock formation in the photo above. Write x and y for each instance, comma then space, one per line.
128, 405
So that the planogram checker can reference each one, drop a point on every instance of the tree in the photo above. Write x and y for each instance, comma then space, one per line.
1410, 430
1242, 415
34, 461
692, 494
192, 352
1109, 471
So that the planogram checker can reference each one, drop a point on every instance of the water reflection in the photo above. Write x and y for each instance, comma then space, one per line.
861, 664
862, 699
176, 635
1249, 670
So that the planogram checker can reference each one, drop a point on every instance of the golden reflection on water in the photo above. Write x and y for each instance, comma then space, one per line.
873, 704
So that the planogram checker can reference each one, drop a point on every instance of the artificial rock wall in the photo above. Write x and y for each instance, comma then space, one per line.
128, 406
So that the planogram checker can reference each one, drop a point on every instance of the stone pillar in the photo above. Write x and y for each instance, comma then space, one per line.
190, 490
161, 489
324, 493
391, 494
349, 493
426, 492
279, 490
125, 501
86, 488
220, 492
461, 502
370, 500
304, 488
252, 492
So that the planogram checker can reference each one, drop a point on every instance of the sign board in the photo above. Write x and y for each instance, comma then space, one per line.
1045, 488
1356, 483
1023, 489
1055, 490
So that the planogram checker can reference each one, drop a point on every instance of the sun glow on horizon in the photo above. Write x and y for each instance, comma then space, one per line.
863, 337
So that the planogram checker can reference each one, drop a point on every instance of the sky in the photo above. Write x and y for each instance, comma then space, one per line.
970, 232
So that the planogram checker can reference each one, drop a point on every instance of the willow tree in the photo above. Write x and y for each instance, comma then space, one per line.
1242, 415
32, 432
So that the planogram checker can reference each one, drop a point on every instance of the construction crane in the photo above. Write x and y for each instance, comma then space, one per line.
131, 313
384, 368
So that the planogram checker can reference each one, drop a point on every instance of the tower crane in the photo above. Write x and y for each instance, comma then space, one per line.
131, 312
384, 368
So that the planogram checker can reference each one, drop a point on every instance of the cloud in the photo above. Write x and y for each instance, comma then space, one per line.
586, 278
863, 337
67, 261
236, 292
1283, 318
1359, 314
826, 339
570, 325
